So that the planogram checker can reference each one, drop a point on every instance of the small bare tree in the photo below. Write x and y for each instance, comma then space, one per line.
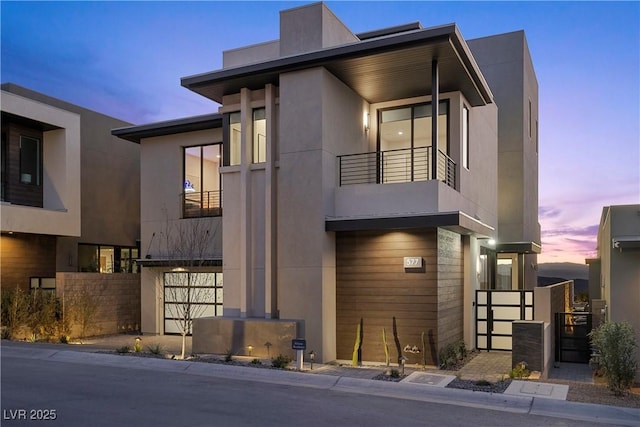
187, 288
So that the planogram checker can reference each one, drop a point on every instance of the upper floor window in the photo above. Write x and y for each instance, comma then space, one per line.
404, 140
30, 160
259, 136
202, 182
235, 133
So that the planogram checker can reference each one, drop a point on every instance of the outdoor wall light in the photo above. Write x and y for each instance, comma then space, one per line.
250, 348
491, 242
366, 117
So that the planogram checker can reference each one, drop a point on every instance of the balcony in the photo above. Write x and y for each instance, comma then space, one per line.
395, 166
201, 204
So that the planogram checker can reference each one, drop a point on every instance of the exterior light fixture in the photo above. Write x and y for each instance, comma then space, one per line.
250, 348
492, 242
403, 360
312, 357
366, 118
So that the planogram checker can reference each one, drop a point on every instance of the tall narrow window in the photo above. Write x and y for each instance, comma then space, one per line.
202, 183
234, 139
259, 136
465, 136
30, 160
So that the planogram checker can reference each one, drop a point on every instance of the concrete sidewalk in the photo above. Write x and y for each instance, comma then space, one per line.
401, 390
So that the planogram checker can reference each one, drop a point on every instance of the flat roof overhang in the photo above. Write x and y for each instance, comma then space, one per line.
27, 122
169, 127
179, 263
519, 247
458, 222
379, 69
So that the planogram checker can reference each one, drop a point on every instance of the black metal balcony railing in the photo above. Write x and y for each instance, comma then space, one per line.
202, 204
394, 166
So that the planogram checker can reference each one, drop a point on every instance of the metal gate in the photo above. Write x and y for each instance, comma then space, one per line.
572, 337
495, 310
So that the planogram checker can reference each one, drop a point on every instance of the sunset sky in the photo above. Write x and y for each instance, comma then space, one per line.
125, 59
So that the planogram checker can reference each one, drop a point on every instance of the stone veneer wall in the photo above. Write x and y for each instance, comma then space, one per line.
528, 344
118, 295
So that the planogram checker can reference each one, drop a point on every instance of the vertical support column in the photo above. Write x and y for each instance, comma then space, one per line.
270, 288
435, 100
246, 123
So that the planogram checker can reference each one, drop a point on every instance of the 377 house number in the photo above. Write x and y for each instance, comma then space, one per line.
412, 262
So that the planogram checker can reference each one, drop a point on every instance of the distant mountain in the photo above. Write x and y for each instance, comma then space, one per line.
565, 270
579, 285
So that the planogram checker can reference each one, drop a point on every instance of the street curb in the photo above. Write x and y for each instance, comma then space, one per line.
397, 390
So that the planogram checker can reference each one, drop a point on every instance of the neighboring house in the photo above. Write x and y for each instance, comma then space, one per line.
70, 192
383, 176
614, 275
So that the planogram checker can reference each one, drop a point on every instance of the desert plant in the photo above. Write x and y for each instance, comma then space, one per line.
123, 349
137, 346
256, 362
452, 354
520, 371
45, 314
281, 361
386, 347
155, 349
394, 373
15, 310
356, 356
228, 356
616, 343
83, 306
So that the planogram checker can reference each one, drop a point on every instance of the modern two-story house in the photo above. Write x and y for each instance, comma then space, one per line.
375, 179
70, 191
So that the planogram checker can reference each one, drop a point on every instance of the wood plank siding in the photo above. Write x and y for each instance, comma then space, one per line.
373, 284
24, 256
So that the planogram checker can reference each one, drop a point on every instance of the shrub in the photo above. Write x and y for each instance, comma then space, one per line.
616, 343
281, 361
228, 357
520, 371
394, 373
15, 310
452, 354
256, 362
155, 349
123, 349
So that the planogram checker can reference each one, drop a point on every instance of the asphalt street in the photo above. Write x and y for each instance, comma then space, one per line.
35, 390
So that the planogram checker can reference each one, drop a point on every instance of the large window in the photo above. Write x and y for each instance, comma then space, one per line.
30, 160
259, 136
405, 140
235, 133
188, 296
107, 259
202, 182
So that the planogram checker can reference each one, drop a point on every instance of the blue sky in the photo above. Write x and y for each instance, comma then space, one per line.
125, 59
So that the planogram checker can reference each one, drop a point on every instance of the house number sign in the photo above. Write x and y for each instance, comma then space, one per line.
412, 262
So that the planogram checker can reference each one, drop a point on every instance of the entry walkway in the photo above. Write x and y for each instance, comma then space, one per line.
577, 372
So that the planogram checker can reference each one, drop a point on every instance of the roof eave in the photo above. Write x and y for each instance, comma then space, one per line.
211, 84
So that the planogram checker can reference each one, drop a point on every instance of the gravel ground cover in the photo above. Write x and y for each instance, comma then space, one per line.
597, 393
